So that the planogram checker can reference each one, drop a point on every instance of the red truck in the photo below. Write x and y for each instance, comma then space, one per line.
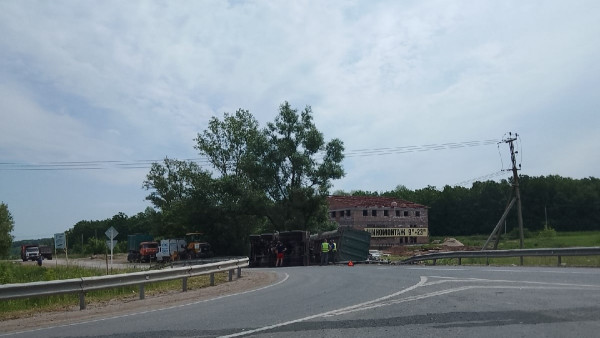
141, 248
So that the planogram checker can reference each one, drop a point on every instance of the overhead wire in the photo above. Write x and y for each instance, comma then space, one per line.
145, 164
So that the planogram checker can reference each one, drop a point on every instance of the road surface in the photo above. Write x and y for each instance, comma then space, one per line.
376, 301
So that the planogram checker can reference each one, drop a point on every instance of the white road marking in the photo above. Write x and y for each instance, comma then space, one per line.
384, 301
329, 313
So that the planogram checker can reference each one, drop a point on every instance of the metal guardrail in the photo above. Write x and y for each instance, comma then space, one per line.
559, 252
86, 284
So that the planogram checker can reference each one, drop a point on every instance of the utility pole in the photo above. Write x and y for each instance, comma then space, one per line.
515, 199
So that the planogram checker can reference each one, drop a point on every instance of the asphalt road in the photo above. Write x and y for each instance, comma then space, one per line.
378, 301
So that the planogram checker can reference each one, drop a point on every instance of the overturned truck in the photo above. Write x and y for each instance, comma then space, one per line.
302, 248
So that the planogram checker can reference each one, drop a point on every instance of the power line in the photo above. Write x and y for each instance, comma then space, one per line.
146, 164
481, 178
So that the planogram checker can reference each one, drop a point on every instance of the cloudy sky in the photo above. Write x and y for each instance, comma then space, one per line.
420, 92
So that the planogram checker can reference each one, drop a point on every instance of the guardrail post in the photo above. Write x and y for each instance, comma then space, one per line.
521, 260
82, 300
230, 275
212, 279
184, 284
142, 295
239, 275
459, 260
559, 261
487, 260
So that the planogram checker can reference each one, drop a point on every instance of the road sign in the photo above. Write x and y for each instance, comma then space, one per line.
111, 244
111, 233
59, 241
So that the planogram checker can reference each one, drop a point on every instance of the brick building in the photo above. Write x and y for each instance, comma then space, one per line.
390, 221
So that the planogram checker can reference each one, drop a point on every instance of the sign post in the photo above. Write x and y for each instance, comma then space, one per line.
60, 243
111, 233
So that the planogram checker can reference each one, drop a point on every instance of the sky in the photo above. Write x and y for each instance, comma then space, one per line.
422, 93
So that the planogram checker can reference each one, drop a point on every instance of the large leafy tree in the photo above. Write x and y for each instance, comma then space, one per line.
296, 170
282, 172
231, 146
6, 227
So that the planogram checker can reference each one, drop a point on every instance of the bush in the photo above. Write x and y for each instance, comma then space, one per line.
547, 233
514, 233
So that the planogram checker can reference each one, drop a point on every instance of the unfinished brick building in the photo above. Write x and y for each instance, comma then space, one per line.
390, 221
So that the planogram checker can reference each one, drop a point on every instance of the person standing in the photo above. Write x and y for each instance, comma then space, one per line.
324, 253
279, 250
333, 247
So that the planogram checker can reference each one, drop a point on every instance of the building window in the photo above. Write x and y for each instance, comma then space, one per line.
374, 213
348, 213
385, 213
418, 213
406, 214
365, 212
397, 213
333, 214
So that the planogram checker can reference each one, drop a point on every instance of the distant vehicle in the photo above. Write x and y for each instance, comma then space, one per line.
196, 247
30, 252
171, 250
375, 255
141, 248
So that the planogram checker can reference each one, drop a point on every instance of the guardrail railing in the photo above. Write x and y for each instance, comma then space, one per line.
487, 254
85, 284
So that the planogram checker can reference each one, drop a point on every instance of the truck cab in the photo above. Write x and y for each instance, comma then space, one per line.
30, 252
148, 251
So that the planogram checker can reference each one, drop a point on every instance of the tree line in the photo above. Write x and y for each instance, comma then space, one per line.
559, 203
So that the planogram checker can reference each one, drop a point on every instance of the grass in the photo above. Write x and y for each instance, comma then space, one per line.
539, 240
543, 239
25, 273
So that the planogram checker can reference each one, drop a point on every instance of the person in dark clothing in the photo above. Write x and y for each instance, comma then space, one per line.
333, 251
279, 250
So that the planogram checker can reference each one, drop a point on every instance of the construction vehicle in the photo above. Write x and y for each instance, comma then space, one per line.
171, 250
196, 247
141, 248
30, 252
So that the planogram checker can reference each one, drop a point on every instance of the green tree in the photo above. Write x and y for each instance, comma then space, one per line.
282, 172
6, 227
296, 170
183, 193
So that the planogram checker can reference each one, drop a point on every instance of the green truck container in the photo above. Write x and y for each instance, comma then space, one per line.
352, 244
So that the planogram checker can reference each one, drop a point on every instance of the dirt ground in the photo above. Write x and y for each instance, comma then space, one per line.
250, 280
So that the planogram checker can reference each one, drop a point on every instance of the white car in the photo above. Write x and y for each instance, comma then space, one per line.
375, 255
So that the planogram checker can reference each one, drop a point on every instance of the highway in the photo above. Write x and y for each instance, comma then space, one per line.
377, 301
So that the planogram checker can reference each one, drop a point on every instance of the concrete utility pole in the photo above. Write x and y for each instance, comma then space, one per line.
516, 198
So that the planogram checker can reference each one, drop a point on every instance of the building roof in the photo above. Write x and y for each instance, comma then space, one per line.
340, 202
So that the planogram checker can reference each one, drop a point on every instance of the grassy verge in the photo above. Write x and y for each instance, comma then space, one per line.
24, 273
544, 239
